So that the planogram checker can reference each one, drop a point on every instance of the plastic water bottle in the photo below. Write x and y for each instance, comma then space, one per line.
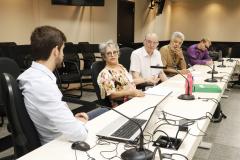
188, 91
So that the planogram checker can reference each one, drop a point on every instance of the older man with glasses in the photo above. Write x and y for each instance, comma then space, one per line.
198, 53
143, 58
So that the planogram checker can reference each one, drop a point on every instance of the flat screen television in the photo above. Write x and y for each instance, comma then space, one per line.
79, 2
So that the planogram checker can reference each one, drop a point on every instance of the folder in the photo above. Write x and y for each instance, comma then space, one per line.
209, 88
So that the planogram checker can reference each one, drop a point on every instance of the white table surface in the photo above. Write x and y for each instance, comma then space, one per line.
60, 148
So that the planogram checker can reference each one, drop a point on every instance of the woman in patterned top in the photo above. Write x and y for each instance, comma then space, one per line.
114, 81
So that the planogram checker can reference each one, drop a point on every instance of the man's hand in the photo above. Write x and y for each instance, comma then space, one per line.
82, 117
184, 71
210, 62
153, 80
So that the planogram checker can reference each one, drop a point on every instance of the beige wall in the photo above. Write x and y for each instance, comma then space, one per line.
92, 24
217, 19
146, 20
16, 20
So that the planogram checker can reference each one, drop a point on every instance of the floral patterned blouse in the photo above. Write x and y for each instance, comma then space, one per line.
110, 80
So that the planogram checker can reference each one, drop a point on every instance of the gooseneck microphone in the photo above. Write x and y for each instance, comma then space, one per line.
187, 96
212, 69
135, 153
159, 67
183, 96
222, 65
212, 79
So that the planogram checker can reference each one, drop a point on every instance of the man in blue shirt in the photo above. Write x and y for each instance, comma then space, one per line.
43, 100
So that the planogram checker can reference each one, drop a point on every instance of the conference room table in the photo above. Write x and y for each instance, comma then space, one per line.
171, 106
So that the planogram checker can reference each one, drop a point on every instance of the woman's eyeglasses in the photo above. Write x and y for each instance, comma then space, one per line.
114, 53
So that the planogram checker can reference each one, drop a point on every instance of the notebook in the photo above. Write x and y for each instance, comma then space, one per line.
124, 130
210, 88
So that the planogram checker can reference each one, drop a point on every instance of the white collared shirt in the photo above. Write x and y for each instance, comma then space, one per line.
141, 62
43, 100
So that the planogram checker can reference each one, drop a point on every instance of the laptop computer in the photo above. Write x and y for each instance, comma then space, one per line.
124, 130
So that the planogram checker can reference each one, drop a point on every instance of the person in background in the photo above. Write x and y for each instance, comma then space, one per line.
42, 97
172, 55
144, 57
198, 53
114, 81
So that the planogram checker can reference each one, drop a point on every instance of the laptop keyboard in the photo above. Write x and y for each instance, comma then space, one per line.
128, 128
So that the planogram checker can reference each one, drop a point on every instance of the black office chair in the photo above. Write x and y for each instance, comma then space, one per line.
69, 73
96, 68
7, 65
24, 135
235, 53
88, 58
125, 57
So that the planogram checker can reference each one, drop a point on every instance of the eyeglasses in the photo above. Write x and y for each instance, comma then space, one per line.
114, 53
206, 46
151, 42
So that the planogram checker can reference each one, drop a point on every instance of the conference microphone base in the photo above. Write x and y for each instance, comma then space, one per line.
214, 72
221, 66
135, 154
212, 80
186, 97
230, 60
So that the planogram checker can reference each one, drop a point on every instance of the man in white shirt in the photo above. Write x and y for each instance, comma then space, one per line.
43, 100
143, 58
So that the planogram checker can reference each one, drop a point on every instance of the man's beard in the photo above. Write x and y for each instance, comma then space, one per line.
60, 63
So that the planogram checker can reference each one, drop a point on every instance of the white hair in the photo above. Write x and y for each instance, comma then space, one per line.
178, 35
103, 46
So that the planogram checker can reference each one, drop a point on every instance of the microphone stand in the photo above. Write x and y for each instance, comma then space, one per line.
230, 59
135, 153
211, 79
212, 69
222, 65
185, 96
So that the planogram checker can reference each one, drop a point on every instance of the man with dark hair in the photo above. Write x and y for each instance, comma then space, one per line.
198, 53
43, 100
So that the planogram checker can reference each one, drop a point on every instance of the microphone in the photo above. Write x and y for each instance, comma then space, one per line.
211, 79
183, 96
230, 59
159, 67
135, 153
212, 69
222, 65
187, 96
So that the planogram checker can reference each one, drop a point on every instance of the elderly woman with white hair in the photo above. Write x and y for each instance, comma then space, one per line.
114, 81
172, 55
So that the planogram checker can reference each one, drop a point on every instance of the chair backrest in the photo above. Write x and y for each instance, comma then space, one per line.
125, 57
87, 54
235, 53
7, 65
96, 68
24, 134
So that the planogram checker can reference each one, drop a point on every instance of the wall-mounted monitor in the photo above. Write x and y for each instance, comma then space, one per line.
79, 2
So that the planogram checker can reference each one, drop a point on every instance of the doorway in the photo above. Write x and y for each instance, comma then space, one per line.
125, 21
